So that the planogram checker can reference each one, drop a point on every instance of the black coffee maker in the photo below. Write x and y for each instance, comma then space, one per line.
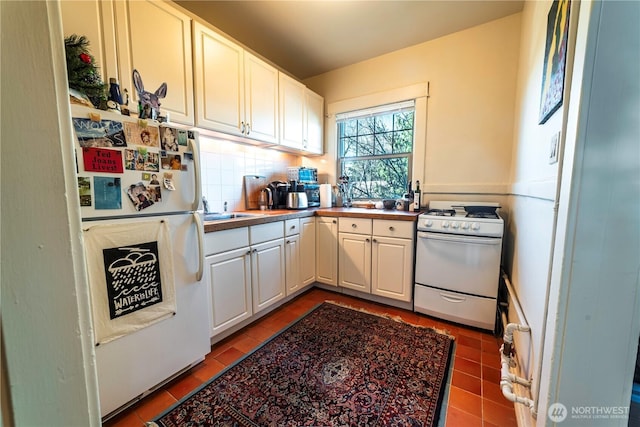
279, 191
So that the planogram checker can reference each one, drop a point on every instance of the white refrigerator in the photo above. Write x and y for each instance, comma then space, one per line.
140, 191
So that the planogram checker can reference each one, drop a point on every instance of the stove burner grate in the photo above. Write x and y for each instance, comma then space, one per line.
441, 212
482, 215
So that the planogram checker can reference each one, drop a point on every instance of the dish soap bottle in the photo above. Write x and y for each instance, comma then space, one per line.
416, 198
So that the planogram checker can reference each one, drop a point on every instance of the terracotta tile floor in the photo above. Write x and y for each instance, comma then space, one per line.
474, 396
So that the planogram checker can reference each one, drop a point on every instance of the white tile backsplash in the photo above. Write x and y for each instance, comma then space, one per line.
225, 163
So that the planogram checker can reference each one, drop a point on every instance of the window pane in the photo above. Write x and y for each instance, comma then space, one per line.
375, 153
378, 178
403, 141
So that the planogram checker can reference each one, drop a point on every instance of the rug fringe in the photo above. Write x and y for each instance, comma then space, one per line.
395, 318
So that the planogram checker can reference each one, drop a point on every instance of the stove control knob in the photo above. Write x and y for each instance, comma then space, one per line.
428, 223
454, 225
465, 226
445, 224
475, 226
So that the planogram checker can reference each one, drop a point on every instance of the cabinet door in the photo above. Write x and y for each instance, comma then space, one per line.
95, 20
392, 267
355, 261
261, 99
229, 278
314, 122
292, 263
291, 112
327, 250
307, 250
219, 81
267, 273
155, 38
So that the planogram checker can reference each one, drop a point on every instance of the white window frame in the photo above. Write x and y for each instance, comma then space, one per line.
418, 92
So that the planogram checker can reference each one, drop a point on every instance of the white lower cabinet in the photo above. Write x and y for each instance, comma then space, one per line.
376, 256
267, 264
307, 261
228, 273
245, 272
267, 273
230, 285
327, 250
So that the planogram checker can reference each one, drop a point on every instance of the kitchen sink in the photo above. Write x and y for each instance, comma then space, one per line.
222, 216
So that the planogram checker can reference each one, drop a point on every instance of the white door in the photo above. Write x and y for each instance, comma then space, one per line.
392, 268
327, 250
292, 108
95, 20
130, 365
314, 122
261, 99
465, 264
355, 261
292, 263
267, 273
155, 38
219, 81
307, 250
229, 278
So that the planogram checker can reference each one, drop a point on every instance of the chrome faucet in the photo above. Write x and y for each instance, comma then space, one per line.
205, 204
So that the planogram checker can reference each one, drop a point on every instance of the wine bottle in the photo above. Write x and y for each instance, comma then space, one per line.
416, 198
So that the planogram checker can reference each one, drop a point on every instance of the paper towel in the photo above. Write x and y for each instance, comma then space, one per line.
325, 195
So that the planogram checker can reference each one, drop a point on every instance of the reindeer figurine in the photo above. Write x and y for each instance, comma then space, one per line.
149, 102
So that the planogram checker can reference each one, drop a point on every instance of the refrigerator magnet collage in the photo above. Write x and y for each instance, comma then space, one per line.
122, 148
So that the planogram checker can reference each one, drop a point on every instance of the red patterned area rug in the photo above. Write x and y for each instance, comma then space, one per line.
334, 367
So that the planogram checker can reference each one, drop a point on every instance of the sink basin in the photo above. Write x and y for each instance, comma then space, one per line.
220, 216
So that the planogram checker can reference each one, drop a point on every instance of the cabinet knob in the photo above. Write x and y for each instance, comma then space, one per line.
248, 128
288, 241
391, 228
248, 252
334, 221
242, 127
354, 226
375, 240
367, 240
293, 227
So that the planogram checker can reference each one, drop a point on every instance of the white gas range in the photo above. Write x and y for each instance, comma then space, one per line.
458, 254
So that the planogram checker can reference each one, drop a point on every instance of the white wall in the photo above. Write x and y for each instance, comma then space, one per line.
224, 164
472, 76
533, 192
594, 309
46, 327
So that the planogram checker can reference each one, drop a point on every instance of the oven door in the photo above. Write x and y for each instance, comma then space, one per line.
467, 264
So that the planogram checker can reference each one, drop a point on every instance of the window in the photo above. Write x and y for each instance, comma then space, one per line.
375, 148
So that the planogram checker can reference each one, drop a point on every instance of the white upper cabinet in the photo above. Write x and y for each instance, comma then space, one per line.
292, 112
236, 92
314, 123
150, 36
155, 38
95, 20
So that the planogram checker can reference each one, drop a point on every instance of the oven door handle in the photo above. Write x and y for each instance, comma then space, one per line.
459, 239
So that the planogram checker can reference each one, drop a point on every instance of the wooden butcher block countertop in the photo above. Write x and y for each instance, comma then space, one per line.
263, 217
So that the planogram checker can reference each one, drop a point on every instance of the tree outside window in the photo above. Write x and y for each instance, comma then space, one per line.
375, 150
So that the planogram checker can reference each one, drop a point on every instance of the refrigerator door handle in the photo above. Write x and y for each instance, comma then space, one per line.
196, 174
200, 232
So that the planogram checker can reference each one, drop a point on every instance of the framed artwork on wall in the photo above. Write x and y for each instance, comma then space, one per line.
555, 58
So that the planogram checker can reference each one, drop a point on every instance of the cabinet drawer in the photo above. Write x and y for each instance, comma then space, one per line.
460, 308
354, 225
291, 227
225, 240
265, 232
386, 228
